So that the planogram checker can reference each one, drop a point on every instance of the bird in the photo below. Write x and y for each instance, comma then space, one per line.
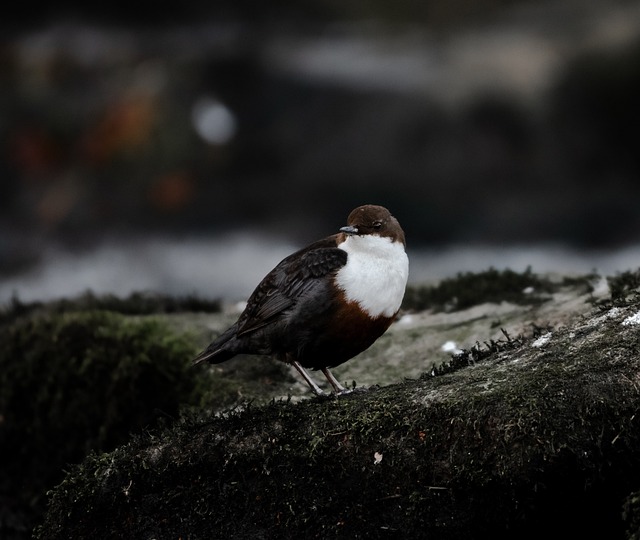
325, 303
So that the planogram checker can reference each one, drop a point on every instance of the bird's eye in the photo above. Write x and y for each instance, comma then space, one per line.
377, 224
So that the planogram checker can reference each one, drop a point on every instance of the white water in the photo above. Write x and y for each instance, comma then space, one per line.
229, 267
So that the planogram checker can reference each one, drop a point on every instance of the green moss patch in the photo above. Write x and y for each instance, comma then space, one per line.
624, 286
81, 381
137, 303
469, 289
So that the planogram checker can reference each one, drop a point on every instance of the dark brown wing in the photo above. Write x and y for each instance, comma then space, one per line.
288, 281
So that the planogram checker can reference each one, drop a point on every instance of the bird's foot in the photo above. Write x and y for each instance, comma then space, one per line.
337, 387
312, 384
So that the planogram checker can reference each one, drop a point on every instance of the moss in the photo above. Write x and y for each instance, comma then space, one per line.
624, 286
81, 381
137, 303
469, 289
631, 516
481, 351
491, 442
529, 440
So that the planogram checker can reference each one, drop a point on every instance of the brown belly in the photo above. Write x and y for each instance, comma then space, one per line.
346, 333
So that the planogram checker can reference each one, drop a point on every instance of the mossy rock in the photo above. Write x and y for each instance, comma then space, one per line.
81, 381
472, 288
137, 303
539, 438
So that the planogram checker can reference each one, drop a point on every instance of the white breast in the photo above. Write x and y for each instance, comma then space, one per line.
375, 275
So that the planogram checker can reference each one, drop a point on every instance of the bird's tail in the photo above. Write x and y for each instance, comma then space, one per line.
218, 350
213, 356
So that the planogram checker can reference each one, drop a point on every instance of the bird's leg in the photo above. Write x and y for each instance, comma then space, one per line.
318, 391
334, 382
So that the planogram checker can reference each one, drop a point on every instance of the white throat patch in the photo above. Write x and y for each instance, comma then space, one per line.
375, 275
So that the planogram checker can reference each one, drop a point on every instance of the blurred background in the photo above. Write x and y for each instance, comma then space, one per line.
189, 150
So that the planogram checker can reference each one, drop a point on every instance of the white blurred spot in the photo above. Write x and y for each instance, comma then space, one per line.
528, 290
377, 458
213, 121
601, 286
613, 312
239, 307
633, 319
542, 340
450, 346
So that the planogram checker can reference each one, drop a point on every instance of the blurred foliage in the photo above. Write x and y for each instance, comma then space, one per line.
469, 289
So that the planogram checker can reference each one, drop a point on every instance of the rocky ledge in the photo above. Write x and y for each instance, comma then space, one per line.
530, 430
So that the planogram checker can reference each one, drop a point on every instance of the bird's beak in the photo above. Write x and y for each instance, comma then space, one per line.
349, 229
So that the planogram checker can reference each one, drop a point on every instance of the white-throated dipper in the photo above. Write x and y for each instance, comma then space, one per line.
325, 303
